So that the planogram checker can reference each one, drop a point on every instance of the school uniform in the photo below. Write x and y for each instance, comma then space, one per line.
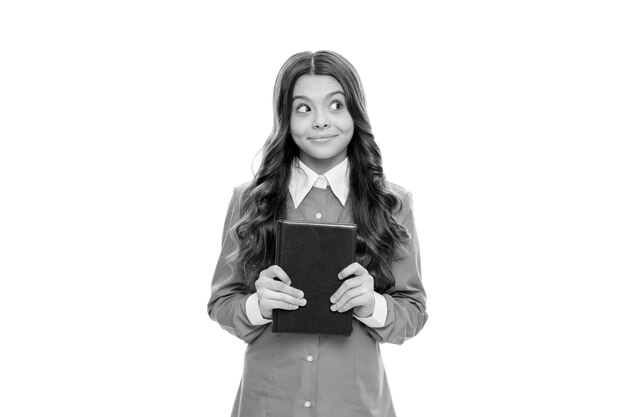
293, 374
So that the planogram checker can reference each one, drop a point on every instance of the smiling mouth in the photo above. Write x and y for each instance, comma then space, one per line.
322, 137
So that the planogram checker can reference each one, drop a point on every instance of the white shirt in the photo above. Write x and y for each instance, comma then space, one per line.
302, 180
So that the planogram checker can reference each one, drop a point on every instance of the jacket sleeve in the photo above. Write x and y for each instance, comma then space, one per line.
406, 300
229, 294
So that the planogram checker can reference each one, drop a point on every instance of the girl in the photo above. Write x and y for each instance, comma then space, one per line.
320, 163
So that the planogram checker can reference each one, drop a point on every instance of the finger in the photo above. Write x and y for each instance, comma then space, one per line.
361, 300
276, 271
352, 269
347, 285
347, 297
281, 287
273, 304
279, 296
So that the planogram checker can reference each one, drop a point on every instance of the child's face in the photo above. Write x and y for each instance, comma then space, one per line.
320, 123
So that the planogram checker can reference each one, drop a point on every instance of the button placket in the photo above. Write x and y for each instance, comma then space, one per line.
307, 357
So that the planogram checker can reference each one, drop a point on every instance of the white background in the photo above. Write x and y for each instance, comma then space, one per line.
124, 126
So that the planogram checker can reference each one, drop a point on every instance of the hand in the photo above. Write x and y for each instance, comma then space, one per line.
356, 292
276, 294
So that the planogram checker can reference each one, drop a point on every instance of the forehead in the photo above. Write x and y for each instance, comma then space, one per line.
314, 86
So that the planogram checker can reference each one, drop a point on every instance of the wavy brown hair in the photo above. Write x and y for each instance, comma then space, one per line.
380, 238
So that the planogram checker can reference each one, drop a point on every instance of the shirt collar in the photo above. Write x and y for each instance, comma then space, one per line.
304, 178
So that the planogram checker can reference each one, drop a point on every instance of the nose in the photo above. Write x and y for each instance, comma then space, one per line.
321, 122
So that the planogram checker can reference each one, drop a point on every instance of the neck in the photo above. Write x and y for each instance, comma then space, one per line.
321, 166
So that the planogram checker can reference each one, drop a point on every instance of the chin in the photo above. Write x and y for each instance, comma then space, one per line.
315, 153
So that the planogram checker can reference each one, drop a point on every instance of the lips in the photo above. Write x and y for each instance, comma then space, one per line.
321, 138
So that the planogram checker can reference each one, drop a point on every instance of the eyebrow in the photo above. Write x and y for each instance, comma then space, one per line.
327, 96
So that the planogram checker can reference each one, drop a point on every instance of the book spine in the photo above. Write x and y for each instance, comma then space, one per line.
278, 230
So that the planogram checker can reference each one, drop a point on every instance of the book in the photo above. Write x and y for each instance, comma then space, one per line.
312, 254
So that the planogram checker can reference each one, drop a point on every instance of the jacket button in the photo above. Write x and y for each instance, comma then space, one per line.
307, 404
309, 358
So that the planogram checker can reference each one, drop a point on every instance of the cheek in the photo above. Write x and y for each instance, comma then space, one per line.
346, 124
297, 126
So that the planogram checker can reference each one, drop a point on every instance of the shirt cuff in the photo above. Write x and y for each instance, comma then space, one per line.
379, 316
253, 312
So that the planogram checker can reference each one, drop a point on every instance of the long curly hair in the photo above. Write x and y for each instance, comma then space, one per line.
380, 238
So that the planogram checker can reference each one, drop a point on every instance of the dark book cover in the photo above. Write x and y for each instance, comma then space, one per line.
312, 254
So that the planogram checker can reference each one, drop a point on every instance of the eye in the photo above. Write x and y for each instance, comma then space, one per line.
336, 105
302, 108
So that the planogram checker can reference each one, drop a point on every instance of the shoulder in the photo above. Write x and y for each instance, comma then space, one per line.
236, 199
239, 189
402, 193
405, 197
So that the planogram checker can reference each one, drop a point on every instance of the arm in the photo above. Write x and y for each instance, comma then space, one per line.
229, 294
406, 300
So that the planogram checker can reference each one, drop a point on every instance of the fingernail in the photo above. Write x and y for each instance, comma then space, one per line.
303, 302
300, 294
333, 307
293, 307
332, 299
